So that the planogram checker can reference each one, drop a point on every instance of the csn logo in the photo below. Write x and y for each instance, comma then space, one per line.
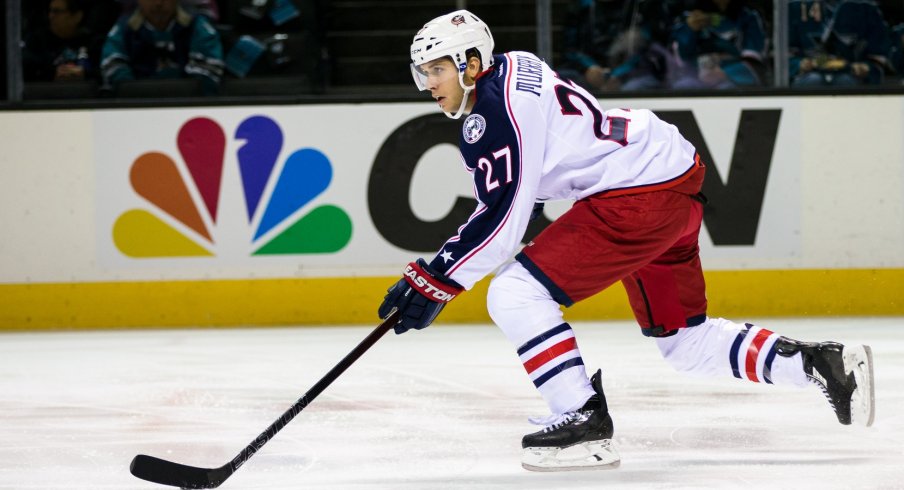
732, 215
176, 224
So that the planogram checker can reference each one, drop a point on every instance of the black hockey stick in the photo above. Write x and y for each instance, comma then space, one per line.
179, 475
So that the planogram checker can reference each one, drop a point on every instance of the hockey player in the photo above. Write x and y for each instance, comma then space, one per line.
531, 136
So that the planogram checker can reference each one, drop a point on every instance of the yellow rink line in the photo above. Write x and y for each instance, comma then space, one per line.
246, 302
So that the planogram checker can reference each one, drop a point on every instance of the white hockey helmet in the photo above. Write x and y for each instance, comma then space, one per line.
451, 35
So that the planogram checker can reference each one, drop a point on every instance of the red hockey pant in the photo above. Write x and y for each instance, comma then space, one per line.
648, 241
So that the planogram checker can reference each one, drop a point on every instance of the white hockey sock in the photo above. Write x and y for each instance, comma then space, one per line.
526, 313
555, 367
718, 347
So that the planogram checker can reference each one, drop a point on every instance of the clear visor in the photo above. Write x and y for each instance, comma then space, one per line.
432, 74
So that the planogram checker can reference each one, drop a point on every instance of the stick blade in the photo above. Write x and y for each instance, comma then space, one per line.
177, 475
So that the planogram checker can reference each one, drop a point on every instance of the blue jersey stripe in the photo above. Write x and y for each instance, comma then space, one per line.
577, 361
733, 354
767, 366
539, 339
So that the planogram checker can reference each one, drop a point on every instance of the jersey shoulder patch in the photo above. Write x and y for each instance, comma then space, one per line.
473, 128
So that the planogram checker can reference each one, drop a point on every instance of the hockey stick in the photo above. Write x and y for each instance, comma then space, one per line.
179, 475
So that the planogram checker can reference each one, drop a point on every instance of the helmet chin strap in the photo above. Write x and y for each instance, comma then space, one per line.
464, 98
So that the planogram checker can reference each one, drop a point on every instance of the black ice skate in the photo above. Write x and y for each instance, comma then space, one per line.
576, 441
843, 373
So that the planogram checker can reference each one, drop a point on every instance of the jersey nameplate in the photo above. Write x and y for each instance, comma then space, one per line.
530, 75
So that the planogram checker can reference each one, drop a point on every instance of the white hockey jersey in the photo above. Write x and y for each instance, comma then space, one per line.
532, 136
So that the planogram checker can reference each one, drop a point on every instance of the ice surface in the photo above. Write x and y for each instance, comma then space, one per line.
441, 408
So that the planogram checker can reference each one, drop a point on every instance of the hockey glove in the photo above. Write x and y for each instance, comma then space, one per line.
419, 295
536, 211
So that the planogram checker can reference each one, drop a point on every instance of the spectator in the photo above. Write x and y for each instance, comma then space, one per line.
722, 43
618, 44
837, 43
896, 59
207, 8
161, 40
280, 38
64, 48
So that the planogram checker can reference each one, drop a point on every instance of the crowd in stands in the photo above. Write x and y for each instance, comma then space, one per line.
607, 45
114, 42
718, 44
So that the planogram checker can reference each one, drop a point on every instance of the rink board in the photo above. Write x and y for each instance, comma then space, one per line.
213, 303
316, 208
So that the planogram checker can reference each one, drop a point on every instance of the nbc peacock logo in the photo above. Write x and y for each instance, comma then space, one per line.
184, 200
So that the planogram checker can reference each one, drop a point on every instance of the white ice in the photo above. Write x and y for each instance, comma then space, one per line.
441, 408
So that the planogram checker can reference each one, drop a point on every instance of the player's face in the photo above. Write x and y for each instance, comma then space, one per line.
441, 79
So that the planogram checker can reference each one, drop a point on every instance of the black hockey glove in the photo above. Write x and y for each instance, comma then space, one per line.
419, 295
537, 211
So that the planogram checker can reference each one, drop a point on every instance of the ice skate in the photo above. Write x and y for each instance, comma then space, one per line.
843, 373
579, 440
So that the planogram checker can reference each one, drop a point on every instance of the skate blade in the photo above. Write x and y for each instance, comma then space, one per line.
600, 455
859, 360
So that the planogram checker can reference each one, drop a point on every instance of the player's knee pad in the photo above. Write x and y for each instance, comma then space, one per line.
520, 305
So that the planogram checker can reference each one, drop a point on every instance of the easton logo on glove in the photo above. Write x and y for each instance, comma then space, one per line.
428, 285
